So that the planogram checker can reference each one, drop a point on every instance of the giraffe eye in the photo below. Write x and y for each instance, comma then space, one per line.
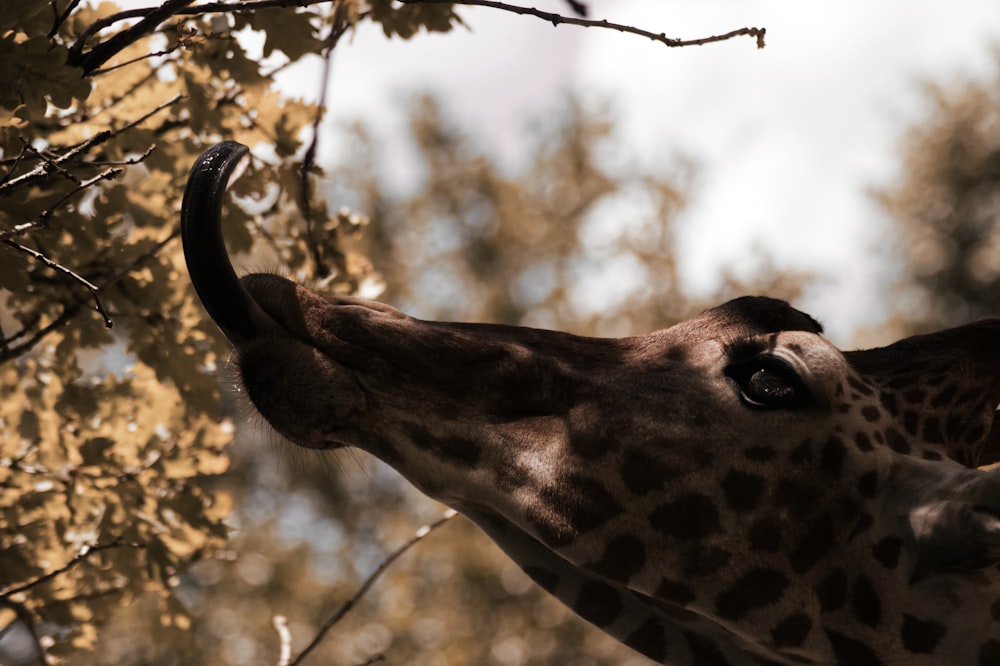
766, 382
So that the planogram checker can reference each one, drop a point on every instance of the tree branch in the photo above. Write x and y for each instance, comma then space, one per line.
339, 26
93, 288
366, 585
150, 18
50, 164
43, 218
557, 19
8, 352
106, 50
61, 18
280, 624
84, 553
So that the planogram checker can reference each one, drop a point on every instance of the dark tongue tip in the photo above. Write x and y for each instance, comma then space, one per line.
212, 274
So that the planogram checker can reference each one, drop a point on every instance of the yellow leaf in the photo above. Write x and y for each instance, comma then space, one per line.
86, 638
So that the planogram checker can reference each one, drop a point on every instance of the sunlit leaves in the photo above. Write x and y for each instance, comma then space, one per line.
107, 437
33, 69
29, 16
99, 473
406, 20
292, 33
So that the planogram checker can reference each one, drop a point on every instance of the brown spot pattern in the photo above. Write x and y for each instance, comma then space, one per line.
622, 558
792, 631
692, 516
755, 589
743, 491
865, 602
921, 636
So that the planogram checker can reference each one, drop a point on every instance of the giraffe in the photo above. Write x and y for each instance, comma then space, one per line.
730, 490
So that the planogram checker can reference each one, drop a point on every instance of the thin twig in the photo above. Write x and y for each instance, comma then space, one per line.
366, 585
108, 323
148, 56
54, 164
309, 159
52, 264
93, 288
44, 167
48, 164
132, 161
340, 23
9, 350
57, 23
43, 217
14, 162
557, 19
280, 625
84, 553
68, 313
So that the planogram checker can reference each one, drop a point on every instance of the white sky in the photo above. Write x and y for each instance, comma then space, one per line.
787, 138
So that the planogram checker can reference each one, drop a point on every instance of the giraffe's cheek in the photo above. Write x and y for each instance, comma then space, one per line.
301, 392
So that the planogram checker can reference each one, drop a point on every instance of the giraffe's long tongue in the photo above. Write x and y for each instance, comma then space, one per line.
212, 274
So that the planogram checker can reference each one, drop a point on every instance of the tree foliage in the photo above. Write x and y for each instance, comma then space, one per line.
580, 238
105, 433
946, 207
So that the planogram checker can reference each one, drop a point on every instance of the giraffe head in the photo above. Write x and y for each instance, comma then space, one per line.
731, 490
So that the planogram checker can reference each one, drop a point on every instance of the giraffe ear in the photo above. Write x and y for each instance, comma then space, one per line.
962, 532
943, 387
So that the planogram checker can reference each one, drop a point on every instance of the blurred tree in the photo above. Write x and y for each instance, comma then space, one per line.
945, 209
579, 239
112, 498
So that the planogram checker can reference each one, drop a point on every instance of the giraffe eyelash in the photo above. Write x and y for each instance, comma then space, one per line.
746, 348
